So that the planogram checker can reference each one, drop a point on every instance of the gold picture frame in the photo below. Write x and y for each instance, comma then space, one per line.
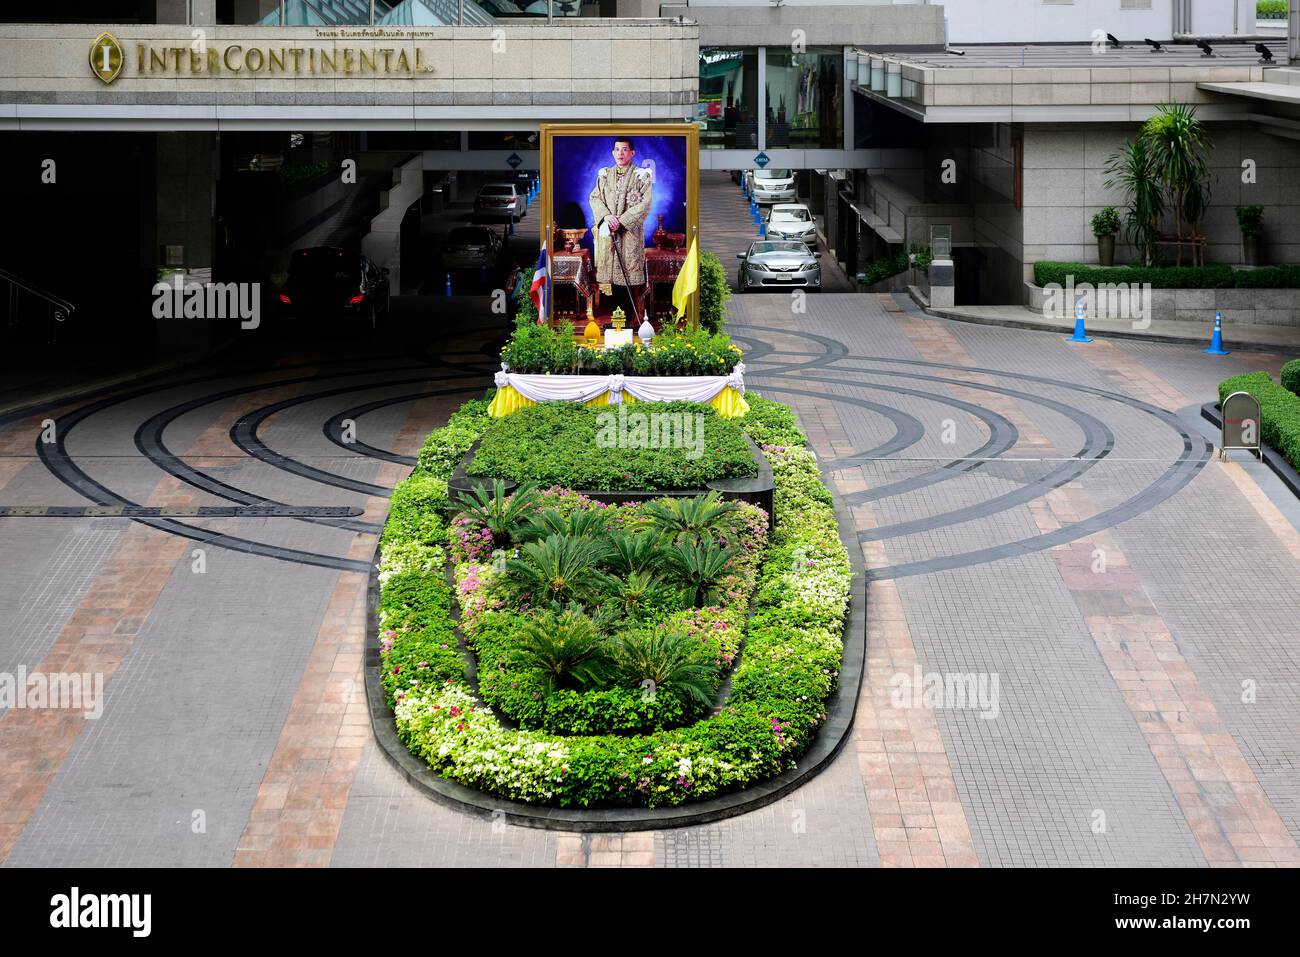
688, 131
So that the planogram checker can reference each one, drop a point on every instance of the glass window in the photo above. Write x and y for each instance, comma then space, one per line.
727, 112
805, 98
773, 174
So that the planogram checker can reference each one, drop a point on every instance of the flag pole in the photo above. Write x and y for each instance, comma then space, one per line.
695, 296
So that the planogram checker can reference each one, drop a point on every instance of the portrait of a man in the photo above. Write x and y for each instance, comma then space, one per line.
620, 202
618, 205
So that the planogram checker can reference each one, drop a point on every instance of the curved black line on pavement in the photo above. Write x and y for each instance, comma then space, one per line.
243, 433
56, 458
1003, 435
1099, 440
334, 432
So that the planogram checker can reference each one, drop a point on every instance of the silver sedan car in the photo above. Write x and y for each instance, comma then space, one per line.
776, 264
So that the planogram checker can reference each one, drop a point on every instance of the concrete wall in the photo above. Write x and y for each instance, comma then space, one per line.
1036, 21
1268, 307
585, 69
1064, 187
867, 26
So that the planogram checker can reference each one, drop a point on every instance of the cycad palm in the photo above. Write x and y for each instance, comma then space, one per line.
502, 514
699, 568
630, 554
692, 519
584, 522
672, 660
559, 569
564, 650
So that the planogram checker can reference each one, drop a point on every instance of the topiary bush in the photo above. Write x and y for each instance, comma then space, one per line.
714, 293
1291, 376
1279, 409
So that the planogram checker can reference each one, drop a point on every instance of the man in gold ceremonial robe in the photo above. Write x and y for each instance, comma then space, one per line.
620, 203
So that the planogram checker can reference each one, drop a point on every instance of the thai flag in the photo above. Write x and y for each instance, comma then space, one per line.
537, 292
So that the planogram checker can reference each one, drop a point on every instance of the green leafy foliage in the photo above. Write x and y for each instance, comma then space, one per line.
714, 293
561, 444
500, 513
1212, 276
660, 659
539, 350
561, 651
445, 447
1291, 376
1106, 222
1250, 219
700, 567
771, 423
692, 520
1279, 410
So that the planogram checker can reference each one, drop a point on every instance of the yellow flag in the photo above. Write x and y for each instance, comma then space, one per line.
688, 280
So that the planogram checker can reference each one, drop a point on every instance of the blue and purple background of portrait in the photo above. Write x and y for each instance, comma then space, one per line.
575, 160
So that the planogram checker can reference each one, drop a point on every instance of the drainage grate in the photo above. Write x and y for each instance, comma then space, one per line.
178, 511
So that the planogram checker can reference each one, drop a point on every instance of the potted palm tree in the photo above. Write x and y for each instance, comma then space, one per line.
1178, 145
1251, 221
1132, 170
1104, 226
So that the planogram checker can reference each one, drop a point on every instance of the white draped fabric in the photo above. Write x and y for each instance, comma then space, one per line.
584, 388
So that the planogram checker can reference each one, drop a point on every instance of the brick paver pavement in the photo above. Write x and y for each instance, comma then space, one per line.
1080, 625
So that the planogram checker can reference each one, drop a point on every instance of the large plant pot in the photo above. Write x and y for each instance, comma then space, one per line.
1106, 250
1250, 246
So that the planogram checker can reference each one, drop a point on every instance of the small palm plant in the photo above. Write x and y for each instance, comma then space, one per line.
629, 554
692, 519
563, 650
1132, 169
582, 523
502, 514
699, 568
1178, 145
672, 660
631, 595
559, 569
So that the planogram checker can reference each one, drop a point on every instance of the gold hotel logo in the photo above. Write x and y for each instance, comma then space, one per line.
106, 57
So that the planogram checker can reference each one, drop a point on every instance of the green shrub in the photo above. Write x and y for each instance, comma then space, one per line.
771, 423
570, 445
1291, 376
1269, 277
1270, 9
417, 510
445, 447
1214, 276
1106, 222
883, 269
525, 308
1279, 409
714, 293
1250, 219
538, 350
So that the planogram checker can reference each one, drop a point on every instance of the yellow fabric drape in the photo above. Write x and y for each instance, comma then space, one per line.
729, 403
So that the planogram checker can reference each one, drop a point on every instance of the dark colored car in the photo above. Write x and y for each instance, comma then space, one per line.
471, 247
769, 264
326, 282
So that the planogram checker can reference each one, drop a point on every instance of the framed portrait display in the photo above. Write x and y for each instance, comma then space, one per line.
619, 210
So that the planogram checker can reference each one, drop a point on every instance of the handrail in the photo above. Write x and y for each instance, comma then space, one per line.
37, 291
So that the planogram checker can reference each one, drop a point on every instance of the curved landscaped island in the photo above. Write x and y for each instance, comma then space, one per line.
540, 646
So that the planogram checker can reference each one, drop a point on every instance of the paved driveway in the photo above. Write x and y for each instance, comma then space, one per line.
1107, 609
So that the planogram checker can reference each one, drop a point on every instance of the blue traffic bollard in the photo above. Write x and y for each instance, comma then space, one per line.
1216, 340
448, 292
1079, 334
762, 229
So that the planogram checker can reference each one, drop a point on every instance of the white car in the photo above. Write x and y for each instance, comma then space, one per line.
772, 186
792, 221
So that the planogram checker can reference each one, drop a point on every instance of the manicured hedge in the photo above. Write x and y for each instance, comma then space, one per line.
569, 445
1214, 276
790, 662
1291, 376
714, 293
1278, 407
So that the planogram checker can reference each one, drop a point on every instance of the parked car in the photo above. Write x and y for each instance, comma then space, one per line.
498, 201
771, 264
326, 282
792, 221
471, 247
772, 186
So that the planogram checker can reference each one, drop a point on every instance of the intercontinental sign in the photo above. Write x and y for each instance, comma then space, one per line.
107, 58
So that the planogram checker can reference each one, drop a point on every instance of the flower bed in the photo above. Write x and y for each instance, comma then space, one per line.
579, 743
681, 446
